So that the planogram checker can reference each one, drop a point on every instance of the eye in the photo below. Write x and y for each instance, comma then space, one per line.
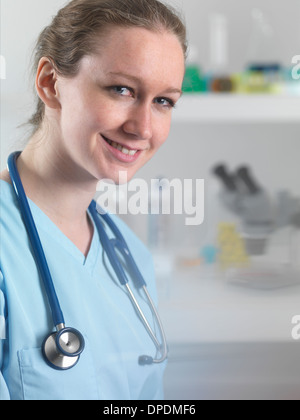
123, 91
165, 102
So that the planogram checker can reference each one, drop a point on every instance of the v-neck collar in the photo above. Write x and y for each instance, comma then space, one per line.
45, 224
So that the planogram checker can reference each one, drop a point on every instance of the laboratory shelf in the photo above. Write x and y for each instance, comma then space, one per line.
238, 108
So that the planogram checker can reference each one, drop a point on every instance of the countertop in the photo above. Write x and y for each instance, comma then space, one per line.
200, 305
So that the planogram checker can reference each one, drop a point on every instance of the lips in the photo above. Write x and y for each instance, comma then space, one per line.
122, 152
126, 150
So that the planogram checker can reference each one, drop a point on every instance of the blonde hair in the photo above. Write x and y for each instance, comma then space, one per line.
74, 32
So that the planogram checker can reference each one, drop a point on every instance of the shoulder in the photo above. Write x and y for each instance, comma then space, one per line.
10, 220
7, 196
4, 176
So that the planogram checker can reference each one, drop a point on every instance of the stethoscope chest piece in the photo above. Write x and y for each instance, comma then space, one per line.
62, 349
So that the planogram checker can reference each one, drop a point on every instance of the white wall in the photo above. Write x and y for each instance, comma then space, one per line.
282, 16
21, 23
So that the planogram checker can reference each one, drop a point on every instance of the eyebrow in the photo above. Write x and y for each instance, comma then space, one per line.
136, 79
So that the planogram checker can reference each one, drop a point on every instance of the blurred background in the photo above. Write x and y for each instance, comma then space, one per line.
228, 288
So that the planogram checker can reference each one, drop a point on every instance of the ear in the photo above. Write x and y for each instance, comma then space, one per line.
46, 83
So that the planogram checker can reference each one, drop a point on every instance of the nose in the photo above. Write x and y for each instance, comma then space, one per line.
139, 122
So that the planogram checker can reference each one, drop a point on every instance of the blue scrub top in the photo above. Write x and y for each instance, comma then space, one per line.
92, 301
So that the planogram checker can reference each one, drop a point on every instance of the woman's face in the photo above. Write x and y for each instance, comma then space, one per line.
116, 112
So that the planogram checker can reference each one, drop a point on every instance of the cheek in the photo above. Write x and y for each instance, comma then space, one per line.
80, 124
161, 133
80, 108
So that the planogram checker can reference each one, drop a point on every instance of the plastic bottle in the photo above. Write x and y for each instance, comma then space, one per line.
159, 229
193, 81
264, 70
219, 80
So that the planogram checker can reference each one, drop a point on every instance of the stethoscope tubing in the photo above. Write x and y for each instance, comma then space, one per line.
33, 235
118, 243
51, 347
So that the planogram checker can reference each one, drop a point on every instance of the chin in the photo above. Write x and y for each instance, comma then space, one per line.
118, 177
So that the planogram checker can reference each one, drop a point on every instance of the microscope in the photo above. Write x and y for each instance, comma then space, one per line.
260, 216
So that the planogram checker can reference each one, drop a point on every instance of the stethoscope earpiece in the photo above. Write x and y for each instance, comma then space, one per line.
145, 360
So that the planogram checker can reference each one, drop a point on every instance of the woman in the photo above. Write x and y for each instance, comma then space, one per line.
108, 73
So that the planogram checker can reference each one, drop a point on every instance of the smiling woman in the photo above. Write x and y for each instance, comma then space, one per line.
66, 48
119, 101
107, 75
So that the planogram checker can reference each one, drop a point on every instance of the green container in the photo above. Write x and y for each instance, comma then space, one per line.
193, 82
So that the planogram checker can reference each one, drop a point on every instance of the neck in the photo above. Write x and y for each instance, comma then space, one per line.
51, 181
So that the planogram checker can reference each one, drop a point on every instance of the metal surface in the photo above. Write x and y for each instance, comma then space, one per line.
55, 358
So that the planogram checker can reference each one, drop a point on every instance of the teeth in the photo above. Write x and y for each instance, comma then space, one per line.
122, 149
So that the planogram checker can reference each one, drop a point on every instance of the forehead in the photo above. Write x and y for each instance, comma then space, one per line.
144, 54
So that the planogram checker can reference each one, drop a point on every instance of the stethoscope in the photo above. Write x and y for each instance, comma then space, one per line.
62, 348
